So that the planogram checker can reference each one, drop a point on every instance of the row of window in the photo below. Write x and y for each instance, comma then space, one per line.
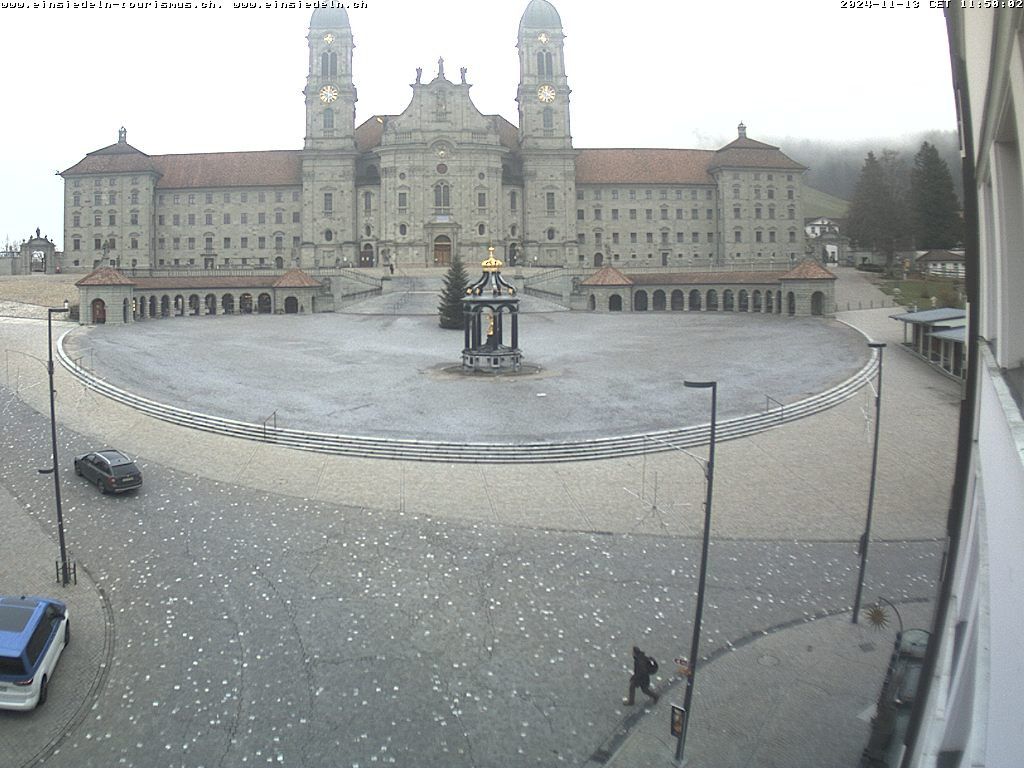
192, 198
648, 194
110, 244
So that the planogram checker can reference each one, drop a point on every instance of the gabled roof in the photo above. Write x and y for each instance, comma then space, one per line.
705, 278
748, 153
370, 133
940, 255
281, 167
644, 166
105, 276
607, 276
808, 269
293, 278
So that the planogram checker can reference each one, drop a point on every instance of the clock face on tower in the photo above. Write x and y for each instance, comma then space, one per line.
329, 38
546, 93
328, 94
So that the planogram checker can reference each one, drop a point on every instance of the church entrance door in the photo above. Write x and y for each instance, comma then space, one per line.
442, 251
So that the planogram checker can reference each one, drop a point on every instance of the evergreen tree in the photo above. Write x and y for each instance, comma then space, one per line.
934, 209
455, 282
877, 217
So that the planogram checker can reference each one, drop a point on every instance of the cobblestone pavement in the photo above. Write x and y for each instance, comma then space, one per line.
266, 611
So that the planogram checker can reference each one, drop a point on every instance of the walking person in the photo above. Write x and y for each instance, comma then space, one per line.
643, 667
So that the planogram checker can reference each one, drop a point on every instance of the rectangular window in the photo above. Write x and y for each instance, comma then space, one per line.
632, 214
295, 217
262, 197
615, 238
664, 238
244, 242
650, 237
632, 237
694, 237
227, 243
76, 245
192, 199
367, 202
597, 214
694, 213
296, 240
159, 220
736, 212
792, 236
243, 218
192, 219
632, 194
711, 237
191, 243
579, 214
579, 194
209, 198
615, 214
176, 243
664, 214
209, 219
176, 219
649, 214
513, 201
279, 217
135, 244
279, 197
581, 238
227, 197
295, 195
261, 218
550, 200
98, 244
134, 218
709, 214
481, 199
279, 242
208, 244
403, 200
97, 220
112, 198
597, 194
227, 218
615, 194
680, 237
261, 242
243, 197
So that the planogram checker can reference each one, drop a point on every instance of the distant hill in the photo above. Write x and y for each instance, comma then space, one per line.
818, 203
834, 168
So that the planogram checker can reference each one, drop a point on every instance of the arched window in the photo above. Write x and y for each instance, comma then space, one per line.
328, 119
442, 198
334, 64
549, 119
545, 64
325, 63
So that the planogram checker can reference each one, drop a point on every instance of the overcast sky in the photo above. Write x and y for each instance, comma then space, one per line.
642, 74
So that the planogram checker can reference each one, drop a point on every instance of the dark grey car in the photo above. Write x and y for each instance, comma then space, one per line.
110, 470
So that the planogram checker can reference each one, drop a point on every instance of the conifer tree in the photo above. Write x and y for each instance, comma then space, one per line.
934, 208
877, 218
455, 282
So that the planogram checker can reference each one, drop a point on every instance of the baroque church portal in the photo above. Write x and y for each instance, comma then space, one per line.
435, 180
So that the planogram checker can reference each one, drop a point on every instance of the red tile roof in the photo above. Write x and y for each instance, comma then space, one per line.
293, 278
607, 276
808, 269
282, 167
105, 276
644, 166
747, 153
704, 278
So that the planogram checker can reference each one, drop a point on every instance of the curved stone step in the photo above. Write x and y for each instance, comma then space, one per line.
478, 453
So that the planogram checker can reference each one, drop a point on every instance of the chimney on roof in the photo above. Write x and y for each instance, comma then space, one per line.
742, 130
122, 136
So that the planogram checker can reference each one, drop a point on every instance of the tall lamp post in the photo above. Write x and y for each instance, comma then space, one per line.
53, 434
699, 614
866, 536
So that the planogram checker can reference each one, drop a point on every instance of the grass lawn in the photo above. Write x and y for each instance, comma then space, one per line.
920, 291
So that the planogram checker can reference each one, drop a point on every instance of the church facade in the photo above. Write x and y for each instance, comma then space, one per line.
435, 180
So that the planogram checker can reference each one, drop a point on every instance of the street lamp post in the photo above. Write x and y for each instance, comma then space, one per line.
53, 434
865, 537
699, 613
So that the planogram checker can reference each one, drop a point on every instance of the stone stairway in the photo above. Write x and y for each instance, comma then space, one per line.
479, 453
